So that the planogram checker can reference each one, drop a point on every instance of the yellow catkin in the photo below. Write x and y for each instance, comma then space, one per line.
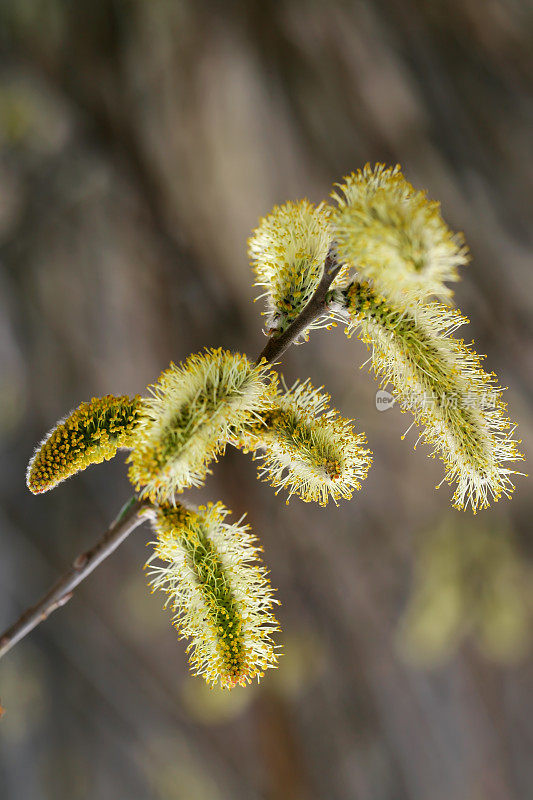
288, 251
307, 449
89, 435
394, 236
186, 422
219, 593
440, 379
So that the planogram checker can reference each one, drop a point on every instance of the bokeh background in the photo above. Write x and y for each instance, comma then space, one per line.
140, 142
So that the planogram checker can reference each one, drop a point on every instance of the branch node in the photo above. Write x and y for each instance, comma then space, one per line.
80, 561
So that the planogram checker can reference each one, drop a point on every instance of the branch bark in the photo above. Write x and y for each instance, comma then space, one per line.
61, 592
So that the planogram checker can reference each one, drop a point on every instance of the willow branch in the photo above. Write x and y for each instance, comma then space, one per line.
61, 592
131, 517
317, 305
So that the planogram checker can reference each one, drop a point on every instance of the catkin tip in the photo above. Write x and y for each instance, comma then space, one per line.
394, 236
89, 435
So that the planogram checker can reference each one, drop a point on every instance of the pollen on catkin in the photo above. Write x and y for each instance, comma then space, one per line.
219, 592
288, 251
186, 421
440, 379
89, 435
394, 236
307, 449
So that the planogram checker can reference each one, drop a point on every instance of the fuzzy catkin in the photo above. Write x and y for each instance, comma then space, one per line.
219, 592
440, 379
288, 251
187, 420
307, 449
394, 236
89, 435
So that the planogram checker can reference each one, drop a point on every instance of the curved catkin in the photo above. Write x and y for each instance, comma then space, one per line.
393, 235
308, 450
187, 420
89, 435
440, 379
219, 592
288, 251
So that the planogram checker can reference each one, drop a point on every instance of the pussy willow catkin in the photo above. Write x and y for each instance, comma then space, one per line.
288, 251
219, 592
187, 420
440, 379
90, 434
392, 234
309, 450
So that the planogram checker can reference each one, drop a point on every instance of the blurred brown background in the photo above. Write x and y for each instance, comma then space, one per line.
140, 142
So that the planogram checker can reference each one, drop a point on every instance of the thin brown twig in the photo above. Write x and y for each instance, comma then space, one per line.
61, 592
131, 515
